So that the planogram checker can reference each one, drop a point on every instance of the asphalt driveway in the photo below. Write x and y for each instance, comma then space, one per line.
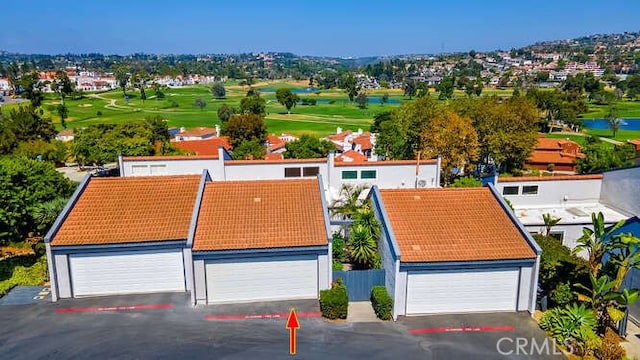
165, 326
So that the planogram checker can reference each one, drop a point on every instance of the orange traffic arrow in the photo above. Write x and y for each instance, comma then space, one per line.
292, 325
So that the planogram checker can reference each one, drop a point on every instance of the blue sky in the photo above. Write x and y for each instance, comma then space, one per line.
329, 27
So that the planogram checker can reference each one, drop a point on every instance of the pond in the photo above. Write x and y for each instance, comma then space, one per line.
627, 124
372, 100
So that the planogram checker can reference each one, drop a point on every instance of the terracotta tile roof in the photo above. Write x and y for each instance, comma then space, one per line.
387, 162
274, 143
284, 161
129, 210
364, 141
635, 142
66, 132
199, 131
548, 143
551, 157
550, 178
351, 156
260, 214
341, 136
170, 157
274, 157
203, 147
432, 225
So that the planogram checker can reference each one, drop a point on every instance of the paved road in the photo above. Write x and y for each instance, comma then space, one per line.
38, 331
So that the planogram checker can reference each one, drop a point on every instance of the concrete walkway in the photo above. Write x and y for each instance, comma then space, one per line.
361, 311
632, 345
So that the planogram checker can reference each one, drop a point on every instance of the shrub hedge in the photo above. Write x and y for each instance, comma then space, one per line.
334, 302
382, 303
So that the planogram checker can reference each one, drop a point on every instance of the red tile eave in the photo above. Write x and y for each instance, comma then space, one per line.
387, 163
284, 161
550, 178
170, 158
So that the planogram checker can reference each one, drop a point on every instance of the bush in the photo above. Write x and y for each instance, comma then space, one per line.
309, 101
336, 265
610, 348
99, 113
174, 104
334, 302
562, 294
332, 102
337, 243
21, 271
382, 303
558, 265
535, 172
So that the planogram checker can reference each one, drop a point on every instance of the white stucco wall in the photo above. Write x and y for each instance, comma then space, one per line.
387, 176
621, 190
168, 167
259, 170
554, 193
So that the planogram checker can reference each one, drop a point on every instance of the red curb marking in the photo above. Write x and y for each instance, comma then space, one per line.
115, 308
283, 315
462, 329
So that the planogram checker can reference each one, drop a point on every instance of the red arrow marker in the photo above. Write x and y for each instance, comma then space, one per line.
292, 325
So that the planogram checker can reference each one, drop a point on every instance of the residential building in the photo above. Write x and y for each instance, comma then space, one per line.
65, 135
206, 147
554, 155
231, 241
199, 133
438, 242
572, 199
387, 174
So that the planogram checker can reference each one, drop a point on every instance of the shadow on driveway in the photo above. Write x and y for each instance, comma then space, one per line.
481, 336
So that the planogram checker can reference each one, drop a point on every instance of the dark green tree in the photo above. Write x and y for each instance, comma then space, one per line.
287, 99
445, 88
61, 85
308, 147
200, 103
249, 150
253, 105
350, 84
32, 88
25, 184
243, 127
225, 112
362, 100
218, 91
384, 98
63, 111
410, 89
122, 76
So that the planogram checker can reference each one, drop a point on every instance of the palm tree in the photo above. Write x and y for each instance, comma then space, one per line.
348, 201
549, 222
596, 241
46, 213
613, 120
363, 247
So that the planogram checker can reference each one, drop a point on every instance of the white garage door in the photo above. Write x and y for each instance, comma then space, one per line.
262, 279
462, 291
126, 272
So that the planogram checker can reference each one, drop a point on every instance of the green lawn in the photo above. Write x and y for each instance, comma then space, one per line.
577, 138
178, 109
621, 135
626, 110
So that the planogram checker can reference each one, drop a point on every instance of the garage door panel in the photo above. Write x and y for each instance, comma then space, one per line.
462, 291
262, 279
126, 272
